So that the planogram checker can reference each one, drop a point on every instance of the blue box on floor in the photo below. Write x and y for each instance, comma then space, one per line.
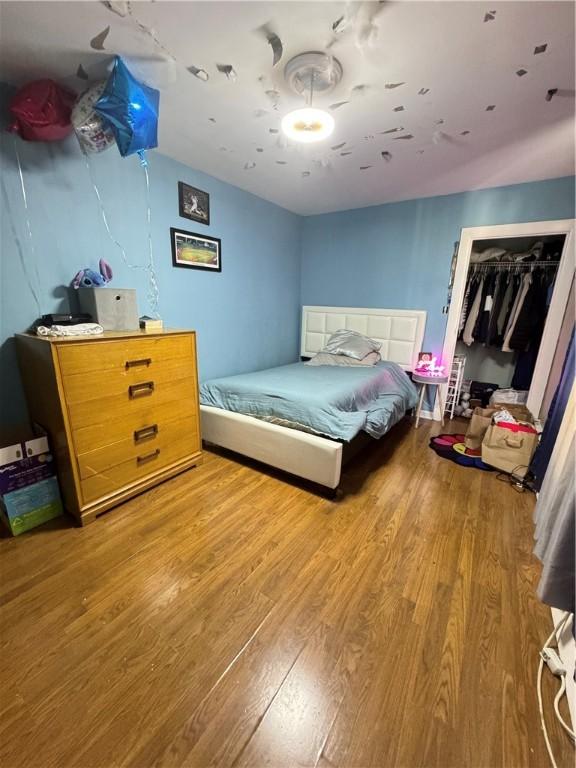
29, 492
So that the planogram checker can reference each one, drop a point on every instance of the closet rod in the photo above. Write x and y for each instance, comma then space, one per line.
514, 265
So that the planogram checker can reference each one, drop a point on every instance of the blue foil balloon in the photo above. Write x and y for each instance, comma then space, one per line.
131, 109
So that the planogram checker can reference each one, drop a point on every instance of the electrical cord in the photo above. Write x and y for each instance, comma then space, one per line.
541, 710
561, 720
520, 484
558, 628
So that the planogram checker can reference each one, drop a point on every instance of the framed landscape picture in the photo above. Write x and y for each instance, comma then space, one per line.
195, 251
194, 204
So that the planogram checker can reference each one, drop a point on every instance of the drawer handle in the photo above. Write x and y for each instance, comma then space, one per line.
135, 363
148, 456
137, 390
145, 433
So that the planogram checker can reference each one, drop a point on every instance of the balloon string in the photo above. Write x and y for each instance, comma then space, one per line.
153, 295
153, 290
29, 228
105, 218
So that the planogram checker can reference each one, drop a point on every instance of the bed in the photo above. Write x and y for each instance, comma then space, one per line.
298, 418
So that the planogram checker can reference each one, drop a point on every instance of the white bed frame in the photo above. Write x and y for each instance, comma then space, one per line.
318, 459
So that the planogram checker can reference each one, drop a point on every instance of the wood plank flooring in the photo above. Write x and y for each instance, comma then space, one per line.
231, 618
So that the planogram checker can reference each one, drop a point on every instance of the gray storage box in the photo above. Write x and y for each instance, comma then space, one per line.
115, 309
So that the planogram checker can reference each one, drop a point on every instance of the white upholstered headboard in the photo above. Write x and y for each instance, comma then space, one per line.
400, 331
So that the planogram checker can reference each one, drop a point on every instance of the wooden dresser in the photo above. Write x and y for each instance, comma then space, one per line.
121, 410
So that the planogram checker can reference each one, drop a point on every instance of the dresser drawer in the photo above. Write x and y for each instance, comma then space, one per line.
134, 401
97, 356
84, 387
138, 443
140, 467
104, 433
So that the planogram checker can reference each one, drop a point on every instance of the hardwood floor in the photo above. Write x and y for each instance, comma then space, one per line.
230, 618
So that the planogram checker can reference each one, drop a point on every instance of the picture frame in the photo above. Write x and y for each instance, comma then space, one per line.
192, 250
193, 204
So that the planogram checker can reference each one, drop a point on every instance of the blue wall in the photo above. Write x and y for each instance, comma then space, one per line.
398, 255
246, 316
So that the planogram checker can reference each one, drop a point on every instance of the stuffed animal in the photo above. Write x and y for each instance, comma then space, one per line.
88, 278
464, 406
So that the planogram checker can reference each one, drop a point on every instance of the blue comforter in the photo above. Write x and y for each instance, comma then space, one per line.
333, 401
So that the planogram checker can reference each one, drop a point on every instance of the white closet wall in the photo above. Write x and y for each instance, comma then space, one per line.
487, 364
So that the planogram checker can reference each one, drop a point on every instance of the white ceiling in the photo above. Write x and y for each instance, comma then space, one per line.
467, 64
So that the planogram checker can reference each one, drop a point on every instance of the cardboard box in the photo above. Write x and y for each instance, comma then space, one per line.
29, 492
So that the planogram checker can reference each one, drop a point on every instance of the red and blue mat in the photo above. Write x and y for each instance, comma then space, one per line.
453, 448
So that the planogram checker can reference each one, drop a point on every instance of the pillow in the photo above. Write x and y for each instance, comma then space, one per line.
351, 344
325, 358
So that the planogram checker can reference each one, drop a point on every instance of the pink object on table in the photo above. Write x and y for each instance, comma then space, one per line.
429, 367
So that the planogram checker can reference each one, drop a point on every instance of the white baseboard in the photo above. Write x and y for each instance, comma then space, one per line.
434, 415
567, 652
428, 415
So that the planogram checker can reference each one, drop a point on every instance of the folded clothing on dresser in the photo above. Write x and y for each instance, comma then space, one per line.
81, 329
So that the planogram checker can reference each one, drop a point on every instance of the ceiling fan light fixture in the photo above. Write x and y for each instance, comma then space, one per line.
308, 125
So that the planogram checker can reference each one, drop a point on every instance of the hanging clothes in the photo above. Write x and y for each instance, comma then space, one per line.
531, 314
524, 370
507, 305
486, 311
471, 291
502, 279
525, 287
486, 286
464, 310
529, 330
467, 336
551, 286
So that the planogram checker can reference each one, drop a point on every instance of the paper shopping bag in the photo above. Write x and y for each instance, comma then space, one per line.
479, 423
508, 450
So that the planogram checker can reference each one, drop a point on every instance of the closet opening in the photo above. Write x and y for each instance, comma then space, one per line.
509, 298
508, 291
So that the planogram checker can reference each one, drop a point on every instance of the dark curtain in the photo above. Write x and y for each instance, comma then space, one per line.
541, 458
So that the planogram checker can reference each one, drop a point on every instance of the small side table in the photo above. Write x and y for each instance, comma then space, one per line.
429, 380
